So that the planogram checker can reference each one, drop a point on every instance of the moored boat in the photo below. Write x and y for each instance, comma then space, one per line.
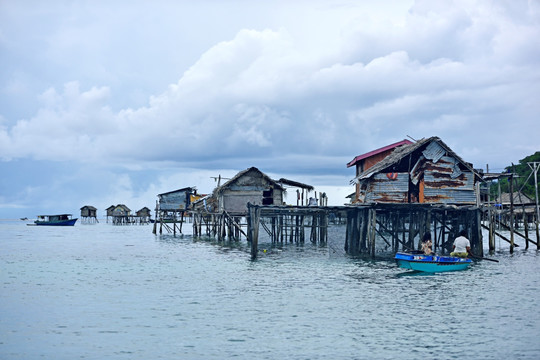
431, 263
56, 220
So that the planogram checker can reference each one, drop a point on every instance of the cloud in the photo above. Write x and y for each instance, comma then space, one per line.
266, 90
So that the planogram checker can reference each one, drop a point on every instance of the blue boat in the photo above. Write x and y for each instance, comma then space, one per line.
431, 263
55, 220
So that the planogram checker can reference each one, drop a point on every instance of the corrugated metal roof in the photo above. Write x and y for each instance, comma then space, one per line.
378, 151
403, 151
434, 152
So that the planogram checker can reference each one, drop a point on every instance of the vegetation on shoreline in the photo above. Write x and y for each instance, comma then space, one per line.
524, 179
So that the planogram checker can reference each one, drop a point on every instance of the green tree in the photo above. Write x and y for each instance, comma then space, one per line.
523, 179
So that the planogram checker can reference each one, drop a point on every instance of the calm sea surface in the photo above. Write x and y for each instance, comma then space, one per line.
120, 292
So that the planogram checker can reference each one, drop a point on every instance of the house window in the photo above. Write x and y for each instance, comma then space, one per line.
268, 197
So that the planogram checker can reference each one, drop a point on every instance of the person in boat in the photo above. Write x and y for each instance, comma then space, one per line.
426, 244
462, 245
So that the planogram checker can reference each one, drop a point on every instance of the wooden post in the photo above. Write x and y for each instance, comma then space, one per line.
396, 223
302, 230
313, 235
443, 230
155, 220
512, 213
322, 227
410, 242
535, 166
253, 229
478, 230
434, 232
347, 245
491, 230
537, 235
181, 221
363, 218
372, 232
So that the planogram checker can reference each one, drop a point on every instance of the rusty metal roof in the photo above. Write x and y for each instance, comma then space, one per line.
405, 150
378, 151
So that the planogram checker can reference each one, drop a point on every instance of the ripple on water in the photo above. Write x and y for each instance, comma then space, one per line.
112, 292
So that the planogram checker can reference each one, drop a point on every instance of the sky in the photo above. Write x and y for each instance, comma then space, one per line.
113, 102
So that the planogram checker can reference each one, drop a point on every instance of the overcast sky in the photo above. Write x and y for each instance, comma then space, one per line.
107, 102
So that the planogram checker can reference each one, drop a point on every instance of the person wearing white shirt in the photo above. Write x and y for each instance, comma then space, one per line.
461, 246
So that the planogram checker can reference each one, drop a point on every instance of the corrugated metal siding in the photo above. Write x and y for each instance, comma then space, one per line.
442, 188
173, 201
382, 189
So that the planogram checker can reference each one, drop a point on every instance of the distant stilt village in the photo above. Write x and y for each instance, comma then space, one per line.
402, 191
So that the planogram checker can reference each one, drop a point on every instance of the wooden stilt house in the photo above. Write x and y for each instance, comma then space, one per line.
109, 212
121, 215
426, 171
427, 185
248, 186
143, 215
171, 208
89, 214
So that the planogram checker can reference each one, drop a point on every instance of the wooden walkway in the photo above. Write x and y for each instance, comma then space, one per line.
399, 226
367, 228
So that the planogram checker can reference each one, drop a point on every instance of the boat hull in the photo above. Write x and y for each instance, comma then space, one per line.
428, 263
69, 222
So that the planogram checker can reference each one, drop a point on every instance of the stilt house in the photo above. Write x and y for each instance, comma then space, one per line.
88, 214
176, 200
426, 171
88, 211
120, 214
144, 215
171, 208
250, 185
365, 161
109, 211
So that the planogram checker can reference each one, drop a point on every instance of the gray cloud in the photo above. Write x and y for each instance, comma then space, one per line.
264, 90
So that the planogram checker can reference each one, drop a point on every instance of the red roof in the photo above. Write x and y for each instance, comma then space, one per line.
378, 151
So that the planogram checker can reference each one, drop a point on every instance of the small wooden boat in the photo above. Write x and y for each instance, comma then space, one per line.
56, 220
431, 263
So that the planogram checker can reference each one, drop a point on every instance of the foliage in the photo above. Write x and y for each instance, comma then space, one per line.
522, 180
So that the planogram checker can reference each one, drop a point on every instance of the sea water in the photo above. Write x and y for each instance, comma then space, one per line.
121, 292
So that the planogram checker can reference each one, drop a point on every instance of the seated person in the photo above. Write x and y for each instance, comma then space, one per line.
462, 245
426, 244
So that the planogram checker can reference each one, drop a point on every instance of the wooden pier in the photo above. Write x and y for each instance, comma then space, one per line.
366, 230
369, 227
170, 220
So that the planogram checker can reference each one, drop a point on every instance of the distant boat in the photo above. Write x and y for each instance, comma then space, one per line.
431, 263
55, 220
24, 218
